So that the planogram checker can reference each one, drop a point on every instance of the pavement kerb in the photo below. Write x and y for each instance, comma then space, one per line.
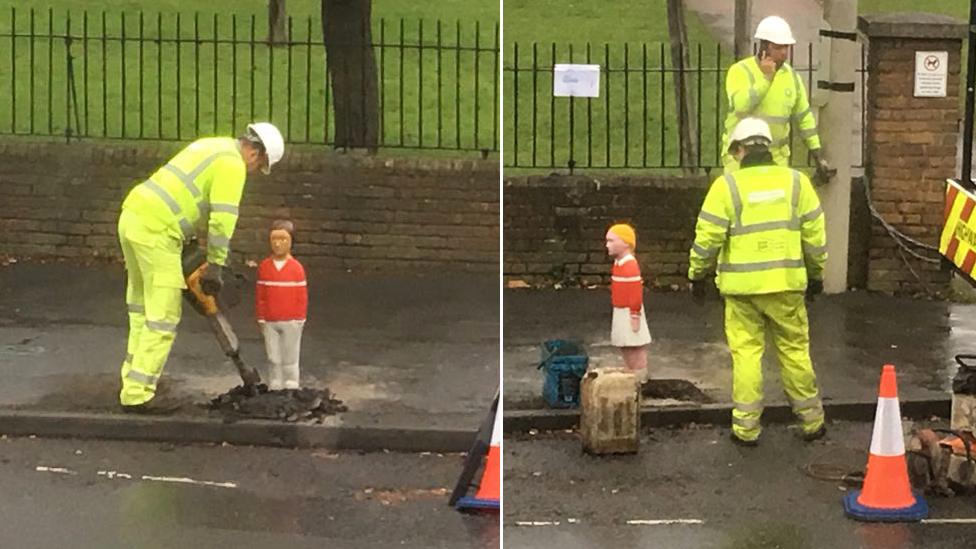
182, 430
518, 421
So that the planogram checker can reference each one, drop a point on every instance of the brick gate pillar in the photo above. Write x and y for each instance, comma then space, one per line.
910, 148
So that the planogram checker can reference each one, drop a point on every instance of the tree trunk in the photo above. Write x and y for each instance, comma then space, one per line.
351, 62
277, 22
743, 28
679, 61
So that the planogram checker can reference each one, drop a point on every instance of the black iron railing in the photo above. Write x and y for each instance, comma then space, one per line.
172, 77
634, 121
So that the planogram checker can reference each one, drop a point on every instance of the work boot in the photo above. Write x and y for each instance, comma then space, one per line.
816, 435
153, 407
742, 442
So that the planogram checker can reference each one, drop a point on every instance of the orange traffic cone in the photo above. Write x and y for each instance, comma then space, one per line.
490, 487
488, 495
887, 494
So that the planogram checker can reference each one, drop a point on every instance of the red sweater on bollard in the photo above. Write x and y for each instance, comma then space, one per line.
626, 285
281, 294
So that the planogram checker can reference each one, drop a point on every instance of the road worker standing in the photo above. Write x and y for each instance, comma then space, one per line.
762, 228
765, 86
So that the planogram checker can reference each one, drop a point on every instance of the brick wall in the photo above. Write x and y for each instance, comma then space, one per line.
351, 212
911, 145
555, 226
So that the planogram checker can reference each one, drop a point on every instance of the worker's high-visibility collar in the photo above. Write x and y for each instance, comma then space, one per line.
189, 182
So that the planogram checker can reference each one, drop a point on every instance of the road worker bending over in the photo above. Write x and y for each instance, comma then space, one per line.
201, 185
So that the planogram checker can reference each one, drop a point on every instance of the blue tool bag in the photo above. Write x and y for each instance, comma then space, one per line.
563, 365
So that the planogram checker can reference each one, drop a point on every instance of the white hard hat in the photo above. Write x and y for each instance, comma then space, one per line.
750, 128
270, 138
776, 30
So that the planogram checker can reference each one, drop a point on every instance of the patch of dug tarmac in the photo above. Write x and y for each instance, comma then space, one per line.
290, 405
678, 389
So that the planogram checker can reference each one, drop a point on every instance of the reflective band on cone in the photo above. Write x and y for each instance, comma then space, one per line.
887, 493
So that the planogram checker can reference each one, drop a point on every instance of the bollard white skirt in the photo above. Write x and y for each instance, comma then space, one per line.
622, 335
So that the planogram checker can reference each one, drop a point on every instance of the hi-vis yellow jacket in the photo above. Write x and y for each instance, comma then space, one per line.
764, 227
203, 181
778, 102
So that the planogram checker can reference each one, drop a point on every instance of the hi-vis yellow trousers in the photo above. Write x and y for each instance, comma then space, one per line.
153, 294
784, 315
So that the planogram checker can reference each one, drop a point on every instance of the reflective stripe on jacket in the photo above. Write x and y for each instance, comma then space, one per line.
763, 230
780, 102
203, 181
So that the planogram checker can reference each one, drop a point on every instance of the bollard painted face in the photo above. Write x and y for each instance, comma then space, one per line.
616, 247
280, 243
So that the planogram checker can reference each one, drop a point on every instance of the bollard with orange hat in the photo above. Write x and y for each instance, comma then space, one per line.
887, 494
628, 329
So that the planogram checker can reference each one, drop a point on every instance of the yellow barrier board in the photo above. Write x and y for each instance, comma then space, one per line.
958, 241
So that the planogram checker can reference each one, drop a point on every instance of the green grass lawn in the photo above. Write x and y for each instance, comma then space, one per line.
633, 123
955, 8
430, 96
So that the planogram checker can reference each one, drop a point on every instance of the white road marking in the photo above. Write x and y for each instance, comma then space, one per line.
663, 522
673, 522
58, 470
184, 480
114, 474
631, 522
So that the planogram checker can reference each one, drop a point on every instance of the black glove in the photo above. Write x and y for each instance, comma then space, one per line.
823, 170
814, 288
212, 279
698, 291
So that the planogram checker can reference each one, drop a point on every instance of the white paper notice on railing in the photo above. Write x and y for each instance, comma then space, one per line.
570, 80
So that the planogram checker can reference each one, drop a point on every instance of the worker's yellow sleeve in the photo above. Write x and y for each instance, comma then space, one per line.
803, 121
744, 90
711, 230
813, 229
225, 198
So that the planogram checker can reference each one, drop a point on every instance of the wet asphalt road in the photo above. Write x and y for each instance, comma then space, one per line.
260, 497
852, 336
384, 343
744, 497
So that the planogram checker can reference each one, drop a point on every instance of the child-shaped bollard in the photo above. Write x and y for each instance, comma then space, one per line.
629, 330
282, 305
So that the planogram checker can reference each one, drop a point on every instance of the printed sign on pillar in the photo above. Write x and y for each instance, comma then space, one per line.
931, 73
